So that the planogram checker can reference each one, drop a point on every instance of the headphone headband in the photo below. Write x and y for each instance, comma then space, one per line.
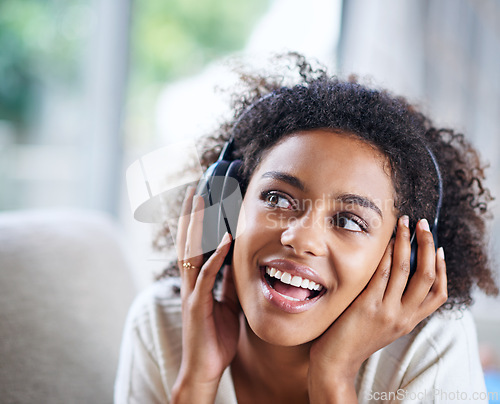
440, 185
228, 147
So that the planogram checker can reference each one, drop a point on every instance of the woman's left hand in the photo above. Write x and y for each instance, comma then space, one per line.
388, 308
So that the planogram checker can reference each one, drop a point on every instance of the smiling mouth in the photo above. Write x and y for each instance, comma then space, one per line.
292, 287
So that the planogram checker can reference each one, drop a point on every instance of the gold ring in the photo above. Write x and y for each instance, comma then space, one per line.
188, 265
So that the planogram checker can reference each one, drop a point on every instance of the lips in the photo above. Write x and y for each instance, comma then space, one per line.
293, 288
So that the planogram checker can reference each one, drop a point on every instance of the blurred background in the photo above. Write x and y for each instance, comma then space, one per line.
89, 86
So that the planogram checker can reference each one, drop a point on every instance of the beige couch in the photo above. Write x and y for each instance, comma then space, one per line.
65, 288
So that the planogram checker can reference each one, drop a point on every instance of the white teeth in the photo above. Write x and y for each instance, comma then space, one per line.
286, 278
296, 281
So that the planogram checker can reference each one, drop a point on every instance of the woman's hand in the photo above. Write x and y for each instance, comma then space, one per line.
388, 308
210, 328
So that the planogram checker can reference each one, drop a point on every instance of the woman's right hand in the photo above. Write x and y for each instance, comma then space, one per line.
390, 306
210, 328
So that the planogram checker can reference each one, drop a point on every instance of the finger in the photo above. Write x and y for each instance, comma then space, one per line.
183, 223
400, 262
206, 278
379, 280
193, 255
229, 295
425, 274
438, 294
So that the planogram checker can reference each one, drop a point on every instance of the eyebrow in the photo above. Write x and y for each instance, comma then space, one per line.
289, 179
359, 200
343, 198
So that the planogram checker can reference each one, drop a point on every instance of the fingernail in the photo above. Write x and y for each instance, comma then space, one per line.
405, 220
424, 225
440, 253
224, 240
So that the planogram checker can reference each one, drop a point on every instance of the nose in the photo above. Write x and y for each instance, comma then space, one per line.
305, 234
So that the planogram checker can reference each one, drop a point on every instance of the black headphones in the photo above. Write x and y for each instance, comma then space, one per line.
221, 193
219, 187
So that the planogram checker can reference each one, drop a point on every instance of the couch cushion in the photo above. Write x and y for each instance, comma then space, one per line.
65, 288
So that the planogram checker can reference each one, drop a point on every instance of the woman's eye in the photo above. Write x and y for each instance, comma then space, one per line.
350, 223
276, 200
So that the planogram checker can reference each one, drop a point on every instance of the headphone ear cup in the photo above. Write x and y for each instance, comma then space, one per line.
413, 254
230, 206
221, 193
231, 199
210, 188
414, 248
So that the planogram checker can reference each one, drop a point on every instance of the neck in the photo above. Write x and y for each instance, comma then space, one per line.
278, 373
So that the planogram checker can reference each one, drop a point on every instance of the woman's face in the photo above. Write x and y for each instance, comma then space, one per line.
318, 214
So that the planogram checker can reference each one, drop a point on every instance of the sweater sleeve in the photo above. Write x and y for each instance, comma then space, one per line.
138, 377
145, 364
151, 350
436, 363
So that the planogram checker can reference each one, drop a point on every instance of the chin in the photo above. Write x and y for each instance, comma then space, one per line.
283, 332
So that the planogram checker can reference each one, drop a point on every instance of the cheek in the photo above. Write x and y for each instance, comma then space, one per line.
258, 230
255, 222
356, 267
248, 233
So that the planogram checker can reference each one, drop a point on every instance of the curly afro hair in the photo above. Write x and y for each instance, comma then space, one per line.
268, 110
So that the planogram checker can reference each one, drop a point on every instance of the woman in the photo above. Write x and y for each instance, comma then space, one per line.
320, 302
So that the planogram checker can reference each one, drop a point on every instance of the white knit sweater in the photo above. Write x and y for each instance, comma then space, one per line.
436, 363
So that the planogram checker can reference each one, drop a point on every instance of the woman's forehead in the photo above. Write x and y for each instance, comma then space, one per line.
321, 146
